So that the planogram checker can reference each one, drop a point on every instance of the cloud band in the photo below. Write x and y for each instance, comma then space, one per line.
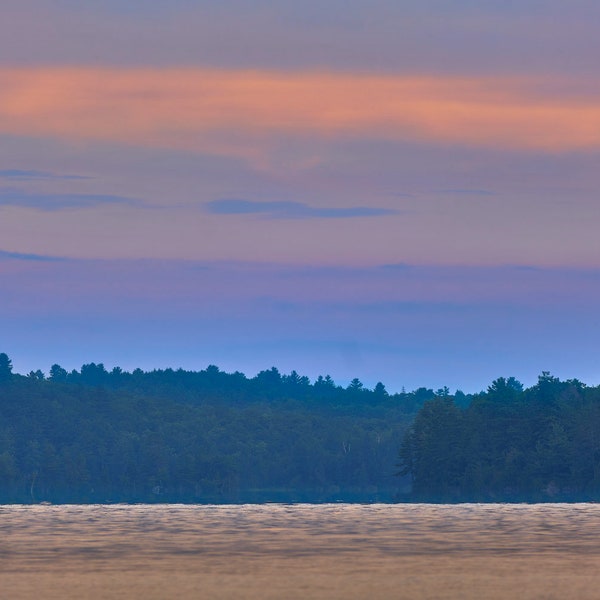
243, 112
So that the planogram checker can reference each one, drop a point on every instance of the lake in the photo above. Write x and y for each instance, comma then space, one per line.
281, 551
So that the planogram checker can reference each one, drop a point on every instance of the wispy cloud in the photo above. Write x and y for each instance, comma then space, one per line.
465, 192
291, 210
240, 112
32, 175
5, 255
53, 202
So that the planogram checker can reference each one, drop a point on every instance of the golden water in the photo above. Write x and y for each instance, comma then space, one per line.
277, 551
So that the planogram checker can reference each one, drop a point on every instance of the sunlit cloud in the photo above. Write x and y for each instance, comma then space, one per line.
291, 210
247, 113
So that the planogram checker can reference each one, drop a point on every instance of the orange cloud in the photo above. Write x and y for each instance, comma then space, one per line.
244, 112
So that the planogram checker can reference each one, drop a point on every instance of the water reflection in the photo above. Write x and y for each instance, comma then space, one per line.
250, 546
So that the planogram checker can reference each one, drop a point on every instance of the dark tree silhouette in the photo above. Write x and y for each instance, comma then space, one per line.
5, 367
57, 373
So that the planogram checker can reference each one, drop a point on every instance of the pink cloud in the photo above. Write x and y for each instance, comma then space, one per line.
245, 113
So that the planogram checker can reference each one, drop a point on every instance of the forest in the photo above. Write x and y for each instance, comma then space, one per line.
507, 444
208, 436
93, 435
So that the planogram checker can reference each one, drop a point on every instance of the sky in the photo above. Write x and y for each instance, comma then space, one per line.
405, 192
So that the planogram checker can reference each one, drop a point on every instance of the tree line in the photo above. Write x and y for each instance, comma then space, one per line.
93, 435
507, 444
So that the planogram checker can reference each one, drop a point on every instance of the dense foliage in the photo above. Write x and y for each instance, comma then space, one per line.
208, 436
96, 436
538, 444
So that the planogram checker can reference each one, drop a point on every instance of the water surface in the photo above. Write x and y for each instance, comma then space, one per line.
300, 551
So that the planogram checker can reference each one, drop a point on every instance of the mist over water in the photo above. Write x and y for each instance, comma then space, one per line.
300, 551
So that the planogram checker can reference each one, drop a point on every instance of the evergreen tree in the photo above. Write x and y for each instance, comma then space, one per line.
5, 367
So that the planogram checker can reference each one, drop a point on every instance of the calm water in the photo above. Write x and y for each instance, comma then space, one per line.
300, 551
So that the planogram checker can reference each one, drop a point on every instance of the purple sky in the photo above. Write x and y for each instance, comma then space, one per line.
381, 190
